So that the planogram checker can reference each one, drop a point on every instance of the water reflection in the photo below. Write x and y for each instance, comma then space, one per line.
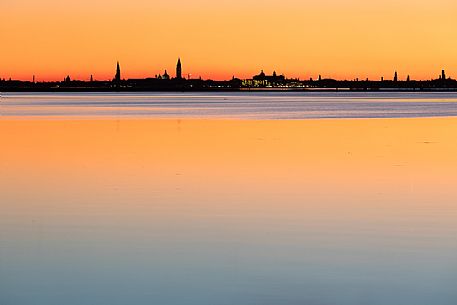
228, 212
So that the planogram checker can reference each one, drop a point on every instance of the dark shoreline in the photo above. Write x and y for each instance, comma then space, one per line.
244, 90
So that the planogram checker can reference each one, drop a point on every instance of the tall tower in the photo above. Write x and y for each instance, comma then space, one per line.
443, 75
178, 69
395, 76
117, 78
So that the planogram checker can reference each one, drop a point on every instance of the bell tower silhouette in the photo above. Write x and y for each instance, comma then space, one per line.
117, 78
179, 69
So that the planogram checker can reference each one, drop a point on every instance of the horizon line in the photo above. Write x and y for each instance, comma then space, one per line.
118, 70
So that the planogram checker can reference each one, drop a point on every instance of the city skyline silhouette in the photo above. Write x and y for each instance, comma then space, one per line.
181, 81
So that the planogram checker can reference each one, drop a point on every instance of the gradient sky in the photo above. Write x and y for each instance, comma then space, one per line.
216, 39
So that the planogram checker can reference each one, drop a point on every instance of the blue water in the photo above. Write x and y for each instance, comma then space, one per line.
241, 105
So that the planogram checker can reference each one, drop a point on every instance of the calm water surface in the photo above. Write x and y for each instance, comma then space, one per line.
98, 206
250, 105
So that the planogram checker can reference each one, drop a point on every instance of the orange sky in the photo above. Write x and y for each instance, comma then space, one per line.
216, 39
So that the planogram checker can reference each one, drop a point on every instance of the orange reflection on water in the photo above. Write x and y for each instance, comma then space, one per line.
277, 164
234, 206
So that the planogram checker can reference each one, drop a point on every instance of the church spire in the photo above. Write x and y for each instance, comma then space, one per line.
118, 73
117, 78
178, 69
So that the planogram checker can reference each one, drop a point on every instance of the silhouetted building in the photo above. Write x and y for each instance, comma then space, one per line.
117, 78
443, 75
263, 80
260, 76
179, 69
271, 78
396, 76
408, 79
165, 75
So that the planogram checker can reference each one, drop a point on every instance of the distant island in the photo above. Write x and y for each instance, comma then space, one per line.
262, 81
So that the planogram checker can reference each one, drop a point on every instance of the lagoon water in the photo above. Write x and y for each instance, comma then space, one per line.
235, 105
230, 198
